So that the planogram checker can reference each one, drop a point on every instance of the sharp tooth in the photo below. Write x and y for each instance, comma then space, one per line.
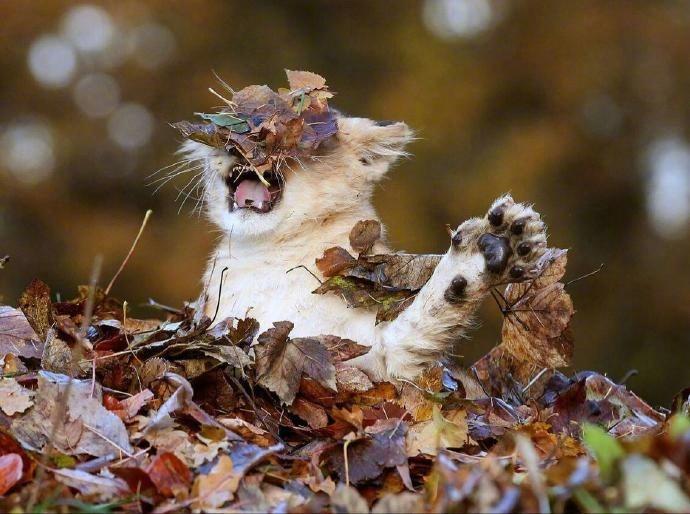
235, 206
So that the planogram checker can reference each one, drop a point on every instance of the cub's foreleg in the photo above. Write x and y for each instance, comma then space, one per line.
500, 248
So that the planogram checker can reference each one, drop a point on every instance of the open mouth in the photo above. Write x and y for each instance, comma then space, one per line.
248, 192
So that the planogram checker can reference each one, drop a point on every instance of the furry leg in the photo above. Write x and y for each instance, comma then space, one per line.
485, 252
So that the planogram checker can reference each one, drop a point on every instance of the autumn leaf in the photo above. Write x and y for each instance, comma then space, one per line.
218, 487
87, 428
384, 447
334, 261
364, 235
11, 466
37, 307
537, 321
13, 397
305, 80
444, 430
281, 361
92, 487
170, 475
17, 336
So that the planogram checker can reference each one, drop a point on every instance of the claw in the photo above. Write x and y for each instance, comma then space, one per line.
496, 251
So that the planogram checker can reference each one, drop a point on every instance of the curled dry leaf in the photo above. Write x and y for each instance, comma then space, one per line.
11, 468
87, 428
214, 490
334, 261
13, 397
364, 235
281, 361
92, 487
367, 457
447, 430
17, 336
170, 475
536, 327
36, 305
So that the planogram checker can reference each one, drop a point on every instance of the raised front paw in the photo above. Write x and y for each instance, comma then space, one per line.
503, 247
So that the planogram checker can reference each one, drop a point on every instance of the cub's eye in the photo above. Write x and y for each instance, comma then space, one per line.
365, 161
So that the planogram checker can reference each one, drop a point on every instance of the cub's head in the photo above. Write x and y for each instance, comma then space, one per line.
338, 177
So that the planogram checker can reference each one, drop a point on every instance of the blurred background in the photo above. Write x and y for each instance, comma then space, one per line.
581, 107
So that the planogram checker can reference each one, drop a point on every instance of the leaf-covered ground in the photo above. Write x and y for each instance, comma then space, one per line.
103, 412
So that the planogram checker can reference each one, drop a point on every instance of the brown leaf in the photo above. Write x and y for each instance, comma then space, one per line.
137, 479
364, 235
13, 397
351, 380
364, 293
444, 430
92, 487
384, 447
342, 349
37, 307
334, 261
347, 500
9, 445
398, 270
536, 327
313, 414
281, 361
214, 490
401, 503
170, 475
305, 80
87, 428
11, 467
17, 336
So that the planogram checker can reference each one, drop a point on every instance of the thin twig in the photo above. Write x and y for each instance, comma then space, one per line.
131, 251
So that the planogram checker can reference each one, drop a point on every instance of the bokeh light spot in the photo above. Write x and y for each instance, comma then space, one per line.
97, 95
52, 61
88, 27
131, 126
449, 19
26, 151
153, 45
668, 188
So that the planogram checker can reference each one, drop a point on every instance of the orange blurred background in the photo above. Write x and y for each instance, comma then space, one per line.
580, 107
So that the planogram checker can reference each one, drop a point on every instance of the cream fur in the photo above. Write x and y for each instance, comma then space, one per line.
322, 200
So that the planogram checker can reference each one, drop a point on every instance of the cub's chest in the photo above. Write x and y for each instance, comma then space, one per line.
267, 292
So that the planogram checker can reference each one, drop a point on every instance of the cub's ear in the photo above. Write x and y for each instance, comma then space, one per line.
377, 145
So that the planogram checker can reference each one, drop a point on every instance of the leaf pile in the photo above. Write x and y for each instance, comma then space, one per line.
268, 128
185, 416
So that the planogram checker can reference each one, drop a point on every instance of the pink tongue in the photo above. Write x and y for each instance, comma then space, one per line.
251, 192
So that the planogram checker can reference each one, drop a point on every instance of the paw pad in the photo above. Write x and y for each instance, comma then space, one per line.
456, 290
496, 251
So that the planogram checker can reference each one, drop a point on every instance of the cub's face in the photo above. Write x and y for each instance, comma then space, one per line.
339, 177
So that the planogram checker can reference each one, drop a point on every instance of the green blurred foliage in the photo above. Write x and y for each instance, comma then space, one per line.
556, 102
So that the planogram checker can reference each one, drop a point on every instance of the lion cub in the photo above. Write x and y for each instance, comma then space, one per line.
289, 220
